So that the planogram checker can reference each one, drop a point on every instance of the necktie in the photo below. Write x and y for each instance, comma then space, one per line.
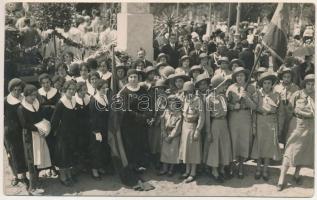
83, 101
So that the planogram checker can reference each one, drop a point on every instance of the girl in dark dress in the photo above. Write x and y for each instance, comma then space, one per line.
135, 106
48, 97
29, 114
83, 127
63, 123
13, 141
99, 113
93, 77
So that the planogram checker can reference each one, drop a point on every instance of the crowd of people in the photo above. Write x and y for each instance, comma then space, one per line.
196, 110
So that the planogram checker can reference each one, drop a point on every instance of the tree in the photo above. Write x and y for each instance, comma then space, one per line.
53, 15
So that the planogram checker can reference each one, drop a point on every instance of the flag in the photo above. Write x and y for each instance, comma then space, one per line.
275, 38
119, 158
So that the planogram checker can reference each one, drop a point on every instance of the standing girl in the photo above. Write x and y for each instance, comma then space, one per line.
81, 144
13, 141
240, 121
99, 113
36, 151
171, 130
265, 145
299, 151
193, 122
49, 97
218, 149
64, 122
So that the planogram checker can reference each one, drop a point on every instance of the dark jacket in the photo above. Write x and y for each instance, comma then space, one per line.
172, 54
247, 56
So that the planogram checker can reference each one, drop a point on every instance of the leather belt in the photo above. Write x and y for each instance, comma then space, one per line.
302, 117
192, 121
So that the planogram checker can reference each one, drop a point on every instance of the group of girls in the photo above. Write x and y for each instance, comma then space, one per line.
210, 123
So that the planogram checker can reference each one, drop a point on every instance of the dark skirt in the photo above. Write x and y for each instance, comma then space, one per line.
63, 152
99, 152
13, 143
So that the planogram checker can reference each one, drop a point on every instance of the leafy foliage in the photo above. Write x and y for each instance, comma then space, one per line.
52, 15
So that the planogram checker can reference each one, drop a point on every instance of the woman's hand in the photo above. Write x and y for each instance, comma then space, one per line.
99, 137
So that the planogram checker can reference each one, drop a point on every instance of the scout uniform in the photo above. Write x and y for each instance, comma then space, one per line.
240, 121
285, 118
193, 120
299, 150
171, 127
266, 144
218, 152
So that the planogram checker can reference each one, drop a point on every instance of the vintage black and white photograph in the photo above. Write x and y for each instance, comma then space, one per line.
158, 99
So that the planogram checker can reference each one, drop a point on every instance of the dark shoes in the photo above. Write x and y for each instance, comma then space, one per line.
297, 180
265, 176
14, 181
219, 179
257, 175
280, 187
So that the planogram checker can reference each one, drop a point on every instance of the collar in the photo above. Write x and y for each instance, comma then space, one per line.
12, 100
80, 100
50, 94
105, 76
99, 99
81, 79
68, 104
263, 94
134, 89
26, 105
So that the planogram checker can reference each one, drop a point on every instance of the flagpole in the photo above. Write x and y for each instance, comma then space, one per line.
253, 67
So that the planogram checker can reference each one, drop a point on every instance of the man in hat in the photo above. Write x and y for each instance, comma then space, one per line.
185, 49
171, 49
194, 55
307, 67
208, 70
224, 69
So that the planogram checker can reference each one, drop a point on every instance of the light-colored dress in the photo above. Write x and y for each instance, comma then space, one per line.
240, 121
218, 152
265, 144
299, 149
286, 112
171, 127
190, 151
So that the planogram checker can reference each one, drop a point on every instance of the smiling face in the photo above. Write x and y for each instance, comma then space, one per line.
287, 78
93, 81
141, 54
241, 78
71, 90
203, 86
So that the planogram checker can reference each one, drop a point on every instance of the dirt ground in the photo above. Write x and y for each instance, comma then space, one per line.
172, 186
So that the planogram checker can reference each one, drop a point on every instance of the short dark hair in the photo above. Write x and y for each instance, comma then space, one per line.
93, 73
29, 89
67, 84
44, 76
100, 83
80, 85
